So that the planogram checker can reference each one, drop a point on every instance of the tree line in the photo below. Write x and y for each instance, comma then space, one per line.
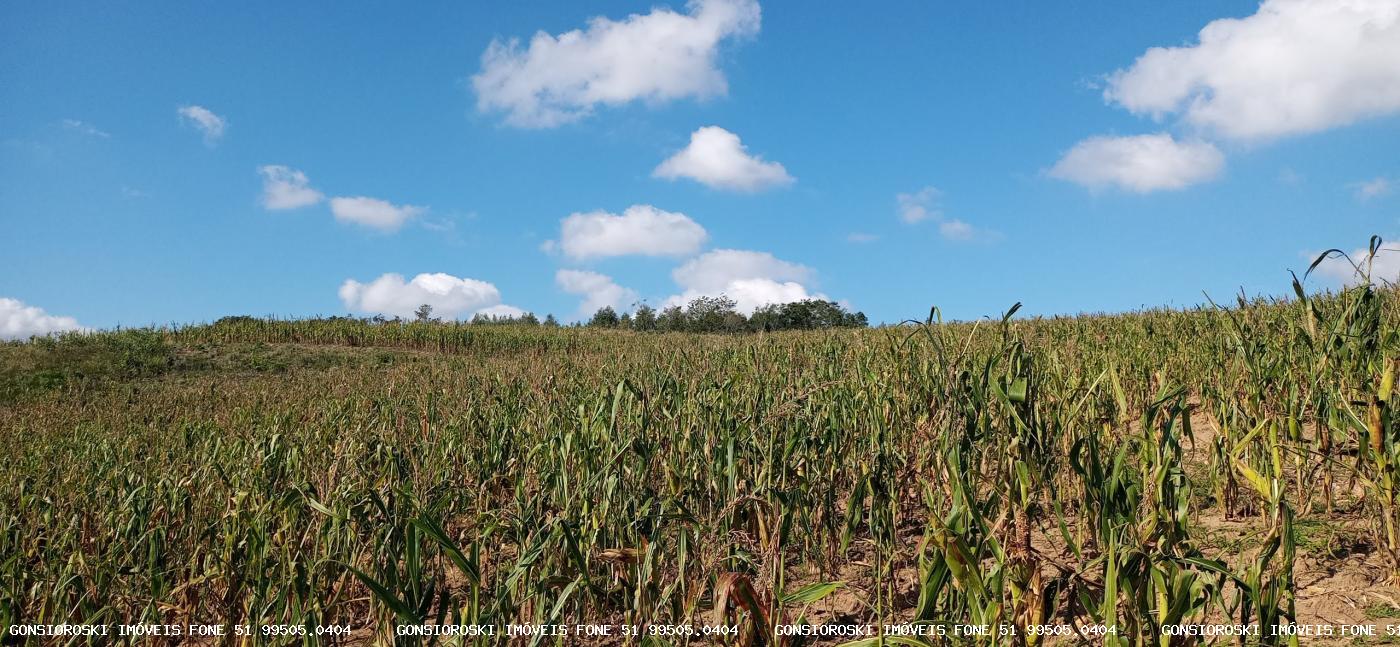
705, 314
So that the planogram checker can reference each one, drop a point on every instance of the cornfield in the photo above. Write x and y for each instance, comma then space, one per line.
1125, 471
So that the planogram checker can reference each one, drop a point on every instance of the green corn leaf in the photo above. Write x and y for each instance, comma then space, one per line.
387, 597
811, 593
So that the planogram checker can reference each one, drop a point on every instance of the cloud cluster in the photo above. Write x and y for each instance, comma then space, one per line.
373, 212
287, 188
752, 279
205, 120
1294, 66
20, 321
921, 205
658, 56
641, 230
451, 297
716, 158
597, 290
1139, 163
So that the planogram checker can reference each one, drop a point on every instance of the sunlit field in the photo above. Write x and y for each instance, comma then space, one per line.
1231, 463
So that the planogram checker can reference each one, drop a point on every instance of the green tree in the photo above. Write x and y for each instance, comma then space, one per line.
672, 319
605, 317
808, 314
714, 314
645, 318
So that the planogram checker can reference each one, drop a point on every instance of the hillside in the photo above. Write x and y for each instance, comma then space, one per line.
1134, 470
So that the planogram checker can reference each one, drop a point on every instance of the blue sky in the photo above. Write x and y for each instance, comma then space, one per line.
178, 162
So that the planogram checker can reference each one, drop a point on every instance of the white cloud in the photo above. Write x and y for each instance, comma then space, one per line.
1139, 163
287, 188
1294, 66
923, 204
641, 229
752, 279
372, 212
716, 158
1384, 268
656, 57
1371, 189
956, 230
205, 120
717, 268
597, 290
920, 205
85, 128
501, 311
751, 294
451, 297
20, 321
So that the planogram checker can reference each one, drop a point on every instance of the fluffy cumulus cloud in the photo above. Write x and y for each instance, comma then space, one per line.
451, 297
597, 290
641, 230
716, 158
1139, 163
718, 268
751, 294
287, 188
1294, 66
205, 120
655, 57
752, 279
20, 321
372, 212
1353, 268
